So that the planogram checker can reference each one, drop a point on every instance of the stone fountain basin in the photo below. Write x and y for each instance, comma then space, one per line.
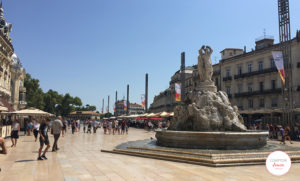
212, 140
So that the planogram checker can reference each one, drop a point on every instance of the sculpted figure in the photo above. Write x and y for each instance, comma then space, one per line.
205, 68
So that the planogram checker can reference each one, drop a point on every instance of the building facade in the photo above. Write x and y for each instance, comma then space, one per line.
134, 109
250, 79
12, 74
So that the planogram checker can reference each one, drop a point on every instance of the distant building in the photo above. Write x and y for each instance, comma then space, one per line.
12, 74
84, 115
250, 79
134, 108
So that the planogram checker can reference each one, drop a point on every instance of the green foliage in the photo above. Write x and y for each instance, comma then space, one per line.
52, 101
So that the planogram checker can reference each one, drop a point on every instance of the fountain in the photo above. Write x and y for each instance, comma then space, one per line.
206, 119
206, 130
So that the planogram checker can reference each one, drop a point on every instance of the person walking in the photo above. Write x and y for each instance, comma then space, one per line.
73, 125
64, 128
15, 133
44, 139
287, 134
56, 129
36, 127
281, 131
109, 126
95, 124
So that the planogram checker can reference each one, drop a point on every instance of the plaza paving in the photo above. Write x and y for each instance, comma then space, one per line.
79, 158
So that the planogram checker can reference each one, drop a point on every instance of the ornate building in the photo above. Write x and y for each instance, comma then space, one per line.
12, 74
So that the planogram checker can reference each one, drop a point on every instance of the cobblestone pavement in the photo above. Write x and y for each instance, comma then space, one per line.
79, 158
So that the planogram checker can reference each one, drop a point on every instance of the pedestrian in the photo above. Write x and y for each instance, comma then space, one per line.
113, 123
126, 127
64, 128
287, 134
73, 125
84, 126
56, 128
104, 126
281, 131
44, 139
3, 146
15, 133
89, 127
109, 127
95, 124
123, 127
36, 127
29, 128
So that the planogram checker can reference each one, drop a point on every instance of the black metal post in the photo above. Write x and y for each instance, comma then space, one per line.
182, 76
128, 104
146, 93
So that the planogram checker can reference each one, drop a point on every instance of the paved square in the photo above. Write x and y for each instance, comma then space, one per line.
79, 158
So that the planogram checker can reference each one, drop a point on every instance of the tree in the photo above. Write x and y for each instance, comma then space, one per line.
34, 94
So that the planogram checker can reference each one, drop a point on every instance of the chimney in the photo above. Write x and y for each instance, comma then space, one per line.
245, 49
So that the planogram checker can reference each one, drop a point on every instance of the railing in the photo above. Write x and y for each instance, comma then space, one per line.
253, 93
264, 71
227, 78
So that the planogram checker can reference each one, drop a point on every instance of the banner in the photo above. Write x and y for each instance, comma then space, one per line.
125, 105
178, 92
143, 100
278, 59
106, 109
114, 107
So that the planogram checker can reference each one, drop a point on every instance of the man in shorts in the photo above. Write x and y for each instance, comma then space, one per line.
44, 139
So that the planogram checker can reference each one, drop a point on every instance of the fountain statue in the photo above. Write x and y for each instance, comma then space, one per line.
208, 113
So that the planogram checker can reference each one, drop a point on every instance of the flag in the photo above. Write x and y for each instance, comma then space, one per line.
106, 109
125, 105
114, 107
143, 100
278, 59
178, 92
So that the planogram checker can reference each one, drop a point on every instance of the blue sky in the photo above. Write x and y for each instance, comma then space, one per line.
92, 48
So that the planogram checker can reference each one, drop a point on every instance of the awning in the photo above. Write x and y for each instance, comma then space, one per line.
32, 112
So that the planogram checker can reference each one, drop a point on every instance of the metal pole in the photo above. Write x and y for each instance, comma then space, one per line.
103, 105
128, 104
108, 104
116, 103
146, 93
182, 76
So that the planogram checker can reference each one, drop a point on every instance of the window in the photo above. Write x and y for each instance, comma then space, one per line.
249, 68
239, 70
217, 82
227, 72
261, 86
260, 66
273, 84
240, 88
228, 90
250, 103
250, 87
274, 102
272, 63
230, 53
262, 102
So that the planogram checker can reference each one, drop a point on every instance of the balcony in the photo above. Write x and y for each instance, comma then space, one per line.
269, 70
254, 93
227, 78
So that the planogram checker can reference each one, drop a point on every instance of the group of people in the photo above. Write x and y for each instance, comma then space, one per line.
280, 133
115, 127
56, 127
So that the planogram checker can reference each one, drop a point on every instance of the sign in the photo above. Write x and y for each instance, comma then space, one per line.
178, 92
278, 59
125, 105
278, 163
143, 100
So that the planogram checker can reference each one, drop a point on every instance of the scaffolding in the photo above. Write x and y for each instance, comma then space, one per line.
285, 41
